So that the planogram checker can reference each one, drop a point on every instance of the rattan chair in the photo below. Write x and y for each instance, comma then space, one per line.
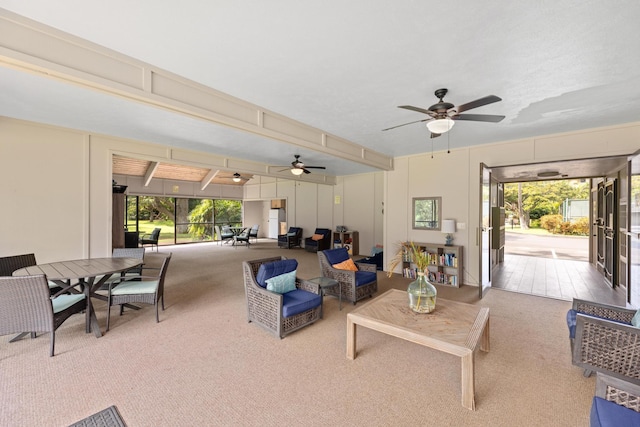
604, 345
26, 305
139, 289
266, 308
355, 285
131, 273
612, 396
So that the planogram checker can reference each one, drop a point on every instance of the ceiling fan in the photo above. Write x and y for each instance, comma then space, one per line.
443, 115
298, 167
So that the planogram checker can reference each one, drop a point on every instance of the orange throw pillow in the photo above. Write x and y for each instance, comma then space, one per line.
346, 265
317, 237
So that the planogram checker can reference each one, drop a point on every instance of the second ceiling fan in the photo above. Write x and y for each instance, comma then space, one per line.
443, 114
298, 167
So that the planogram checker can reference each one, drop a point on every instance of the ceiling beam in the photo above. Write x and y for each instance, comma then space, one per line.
207, 179
153, 166
25, 45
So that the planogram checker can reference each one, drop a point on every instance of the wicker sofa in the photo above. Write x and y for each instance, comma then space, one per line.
269, 309
355, 285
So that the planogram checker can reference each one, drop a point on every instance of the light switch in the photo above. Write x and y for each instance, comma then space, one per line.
462, 225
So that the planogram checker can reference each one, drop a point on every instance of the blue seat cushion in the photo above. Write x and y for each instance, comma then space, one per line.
572, 320
298, 301
365, 277
608, 414
336, 256
275, 268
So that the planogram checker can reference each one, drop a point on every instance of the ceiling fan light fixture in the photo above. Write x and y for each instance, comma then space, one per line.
440, 126
237, 177
297, 171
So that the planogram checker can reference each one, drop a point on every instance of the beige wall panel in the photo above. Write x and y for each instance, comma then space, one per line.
251, 191
45, 207
359, 215
338, 203
324, 215
396, 226
342, 146
201, 159
378, 210
306, 207
268, 191
503, 154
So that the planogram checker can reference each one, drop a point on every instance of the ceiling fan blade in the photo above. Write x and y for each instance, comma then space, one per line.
410, 123
479, 117
418, 109
314, 167
434, 135
305, 170
478, 103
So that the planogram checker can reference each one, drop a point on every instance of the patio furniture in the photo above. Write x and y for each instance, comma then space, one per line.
151, 238
616, 402
254, 232
354, 284
85, 271
133, 272
226, 234
319, 241
292, 238
279, 313
604, 340
242, 237
141, 289
26, 305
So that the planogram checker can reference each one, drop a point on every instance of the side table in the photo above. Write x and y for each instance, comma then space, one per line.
327, 282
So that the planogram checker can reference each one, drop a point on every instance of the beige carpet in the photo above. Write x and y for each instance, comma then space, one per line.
204, 365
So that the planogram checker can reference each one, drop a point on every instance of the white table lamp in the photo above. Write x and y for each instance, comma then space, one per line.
448, 227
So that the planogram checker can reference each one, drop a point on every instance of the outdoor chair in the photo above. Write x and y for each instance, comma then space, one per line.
227, 234
254, 232
26, 305
139, 289
292, 304
9, 264
320, 241
151, 239
291, 239
357, 282
603, 340
242, 237
131, 273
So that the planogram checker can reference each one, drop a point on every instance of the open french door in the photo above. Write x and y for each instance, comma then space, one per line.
484, 230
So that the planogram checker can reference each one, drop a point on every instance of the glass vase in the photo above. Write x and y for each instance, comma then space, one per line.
422, 295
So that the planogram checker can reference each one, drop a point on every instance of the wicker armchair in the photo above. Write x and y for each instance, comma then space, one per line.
355, 285
266, 308
605, 341
26, 305
139, 289
616, 402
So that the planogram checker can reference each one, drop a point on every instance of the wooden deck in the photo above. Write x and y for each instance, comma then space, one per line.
555, 278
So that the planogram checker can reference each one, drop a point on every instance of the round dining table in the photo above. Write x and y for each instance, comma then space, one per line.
82, 272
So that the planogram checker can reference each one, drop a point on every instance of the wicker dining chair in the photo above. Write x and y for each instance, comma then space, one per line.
139, 289
26, 305
267, 308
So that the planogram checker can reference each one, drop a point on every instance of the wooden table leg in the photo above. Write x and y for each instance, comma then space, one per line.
351, 339
484, 340
468, 381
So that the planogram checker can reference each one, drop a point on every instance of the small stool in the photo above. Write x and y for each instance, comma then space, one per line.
327, 282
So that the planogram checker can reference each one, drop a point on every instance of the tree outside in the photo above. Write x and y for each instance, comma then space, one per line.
539, 205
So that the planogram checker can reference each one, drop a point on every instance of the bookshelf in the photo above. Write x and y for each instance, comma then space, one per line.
445, 264
340, 239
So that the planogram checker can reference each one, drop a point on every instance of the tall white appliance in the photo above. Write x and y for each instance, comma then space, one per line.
276, 216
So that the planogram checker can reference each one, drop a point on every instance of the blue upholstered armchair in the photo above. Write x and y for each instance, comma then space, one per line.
291, 239
277, 300
315, 244
355, 285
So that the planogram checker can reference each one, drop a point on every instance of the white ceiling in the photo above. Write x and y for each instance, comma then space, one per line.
344, 66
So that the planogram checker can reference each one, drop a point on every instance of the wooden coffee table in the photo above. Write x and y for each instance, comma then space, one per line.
454, 327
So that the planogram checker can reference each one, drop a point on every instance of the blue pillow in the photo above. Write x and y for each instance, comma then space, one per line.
276, 268
283, 283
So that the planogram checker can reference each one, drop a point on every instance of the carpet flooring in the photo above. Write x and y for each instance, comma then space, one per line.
205, 365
